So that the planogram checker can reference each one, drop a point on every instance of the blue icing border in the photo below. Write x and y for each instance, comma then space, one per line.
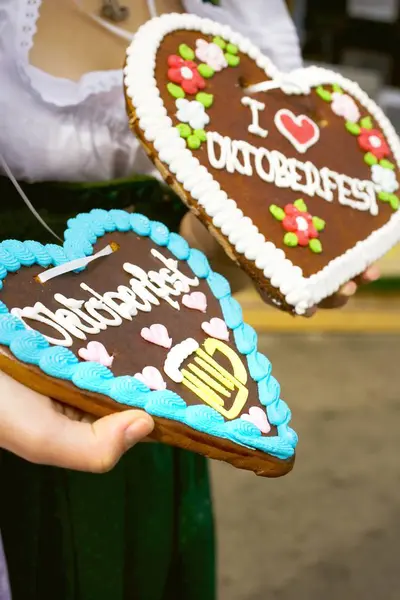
31, 347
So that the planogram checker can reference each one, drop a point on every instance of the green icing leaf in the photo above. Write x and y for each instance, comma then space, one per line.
315, 246
366, 123
353, 128
184, 130
277, 212
201, 134
205, 71
205, 99
300, 205
193, 142
391, 198
336, 88
175, 90
290, 239
186, 52
220, 42
232, 49
318, 223
386, 164
232, 60
370, 159
384, 196
324, 94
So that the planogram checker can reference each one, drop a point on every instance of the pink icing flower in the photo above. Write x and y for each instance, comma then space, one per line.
211, 54
344, 106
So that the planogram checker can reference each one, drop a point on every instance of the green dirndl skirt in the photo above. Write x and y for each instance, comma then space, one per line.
144, 531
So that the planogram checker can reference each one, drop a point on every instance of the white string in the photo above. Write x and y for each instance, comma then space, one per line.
118, 31
291, 83
21, 192
73, 265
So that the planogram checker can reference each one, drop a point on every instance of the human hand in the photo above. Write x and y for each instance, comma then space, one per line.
45, 432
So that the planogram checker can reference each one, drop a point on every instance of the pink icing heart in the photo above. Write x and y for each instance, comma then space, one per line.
157, 334
258, 417
216, 328
195, 300
151, 377
96, 352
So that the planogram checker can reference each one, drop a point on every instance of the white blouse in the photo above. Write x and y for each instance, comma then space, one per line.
57, 129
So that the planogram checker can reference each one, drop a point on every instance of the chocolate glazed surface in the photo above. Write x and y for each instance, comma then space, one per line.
336, 149
131, 352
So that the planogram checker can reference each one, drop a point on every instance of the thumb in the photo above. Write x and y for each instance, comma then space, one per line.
98, 446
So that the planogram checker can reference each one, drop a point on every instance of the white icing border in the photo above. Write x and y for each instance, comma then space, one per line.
141, 87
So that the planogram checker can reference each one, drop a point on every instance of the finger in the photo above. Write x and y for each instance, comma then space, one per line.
95, 447
33, 428
371, 274
341, 297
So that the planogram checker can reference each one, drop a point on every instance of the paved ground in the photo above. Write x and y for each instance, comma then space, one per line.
331, 529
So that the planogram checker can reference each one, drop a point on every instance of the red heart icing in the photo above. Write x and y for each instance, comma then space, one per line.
299, 130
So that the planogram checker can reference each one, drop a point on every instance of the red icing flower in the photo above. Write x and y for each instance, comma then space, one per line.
300, 223
185, 73
372, 140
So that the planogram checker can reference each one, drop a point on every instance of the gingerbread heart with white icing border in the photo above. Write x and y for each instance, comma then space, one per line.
100, 323
296, 175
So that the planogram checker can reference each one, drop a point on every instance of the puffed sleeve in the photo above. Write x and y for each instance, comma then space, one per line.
266, 22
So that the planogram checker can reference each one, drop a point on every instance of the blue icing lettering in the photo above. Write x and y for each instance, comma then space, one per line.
58, 361
121, 219
8, 260
178, 246
245, 338
103, 218
278, 413
166, 404
140, 224
93, 376
259, 365
128, 390
232, 312
206, 419
57, 254
42, 257
28, 346
20, 251
198, 263
9, 326
159, 233
3, 308
219, 285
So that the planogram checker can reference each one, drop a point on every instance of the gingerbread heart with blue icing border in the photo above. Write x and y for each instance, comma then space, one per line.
296, 175
125, 314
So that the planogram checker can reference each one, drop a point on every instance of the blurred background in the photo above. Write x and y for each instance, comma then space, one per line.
330, 530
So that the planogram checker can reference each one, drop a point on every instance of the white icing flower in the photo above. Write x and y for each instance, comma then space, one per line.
344, 106
385, 179
192, 112
211, 54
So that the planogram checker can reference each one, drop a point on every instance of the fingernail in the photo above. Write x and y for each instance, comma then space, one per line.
138, 430
349, 289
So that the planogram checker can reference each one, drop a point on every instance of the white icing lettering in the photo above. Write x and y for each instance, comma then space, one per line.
79, 317
255, 107
274, 167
